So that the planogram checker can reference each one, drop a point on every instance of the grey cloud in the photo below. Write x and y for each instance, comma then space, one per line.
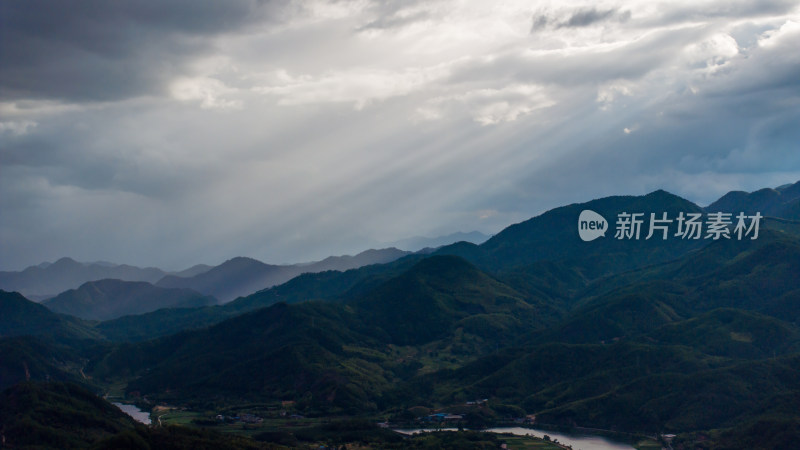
95, 50
586, 17
392, 14
737, 130
540, 21
630, 62
395, 21
722, 10
708, 147
666, 14
582, 17
108, 155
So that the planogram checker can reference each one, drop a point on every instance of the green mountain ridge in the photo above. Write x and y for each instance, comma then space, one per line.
27, 358
352, 340
552, 236
22, 317
781, 202
427, 301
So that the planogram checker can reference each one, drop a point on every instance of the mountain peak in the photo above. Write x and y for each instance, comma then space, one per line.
66, 260
242, 260
661, 193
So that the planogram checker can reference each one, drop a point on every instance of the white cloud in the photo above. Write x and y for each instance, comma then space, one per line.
210, 92
712, 54
489, 106
359, 87
611, 92
786, 34
17, 128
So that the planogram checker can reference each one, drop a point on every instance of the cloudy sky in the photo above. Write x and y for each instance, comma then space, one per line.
179, 132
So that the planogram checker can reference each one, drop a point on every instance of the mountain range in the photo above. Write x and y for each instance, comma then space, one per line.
234, 278
47, 280
695, 337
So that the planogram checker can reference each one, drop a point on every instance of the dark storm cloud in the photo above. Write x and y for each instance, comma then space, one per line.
97, 50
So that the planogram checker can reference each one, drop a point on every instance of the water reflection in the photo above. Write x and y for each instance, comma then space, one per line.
133, 411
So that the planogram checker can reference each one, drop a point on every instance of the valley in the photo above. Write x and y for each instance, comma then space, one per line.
643, 339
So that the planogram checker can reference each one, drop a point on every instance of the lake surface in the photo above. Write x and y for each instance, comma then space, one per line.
133, 411
578, 441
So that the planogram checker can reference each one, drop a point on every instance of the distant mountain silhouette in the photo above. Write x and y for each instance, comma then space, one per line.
417, 243
197, 269
240, 276
347, 262
233, 278
44, 281
109, 299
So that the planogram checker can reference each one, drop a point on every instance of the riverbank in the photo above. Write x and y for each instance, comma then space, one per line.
576, 441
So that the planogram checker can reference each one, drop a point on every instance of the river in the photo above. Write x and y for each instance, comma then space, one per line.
133, 411
578, 441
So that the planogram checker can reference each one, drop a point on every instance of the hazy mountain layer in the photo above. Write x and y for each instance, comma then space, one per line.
110, 299
38, 282
240, 277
